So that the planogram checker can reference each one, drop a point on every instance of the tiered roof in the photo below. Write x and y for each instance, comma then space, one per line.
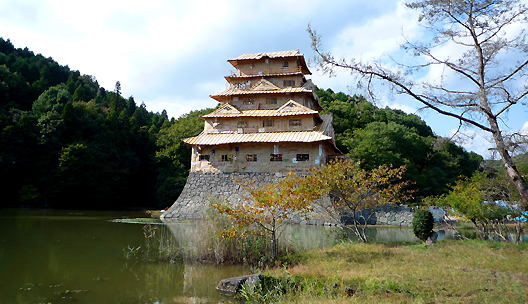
323, 130
271, 55
291, 108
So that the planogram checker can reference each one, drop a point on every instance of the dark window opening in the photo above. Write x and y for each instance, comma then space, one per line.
295, 122
267, 123
251, 157
303, 157
248, 101
227, 158
272, 100
204, 157
289, 83
275, 157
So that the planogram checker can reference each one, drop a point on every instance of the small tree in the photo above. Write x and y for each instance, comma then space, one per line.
269, 208
353, 189
487, 203
423, 223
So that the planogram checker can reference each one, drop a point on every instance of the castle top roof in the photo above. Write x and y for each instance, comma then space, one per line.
272, 55
256, 56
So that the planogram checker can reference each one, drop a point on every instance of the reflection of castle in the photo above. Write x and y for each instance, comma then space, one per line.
268, 120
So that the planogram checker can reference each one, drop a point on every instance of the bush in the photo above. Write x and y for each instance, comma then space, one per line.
423, 223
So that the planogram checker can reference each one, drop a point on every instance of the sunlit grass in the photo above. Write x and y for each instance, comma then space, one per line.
448, 272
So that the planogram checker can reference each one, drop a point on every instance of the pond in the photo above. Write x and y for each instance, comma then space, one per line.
58, 256
49, 256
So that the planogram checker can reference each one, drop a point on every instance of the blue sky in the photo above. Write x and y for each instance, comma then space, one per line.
173, 54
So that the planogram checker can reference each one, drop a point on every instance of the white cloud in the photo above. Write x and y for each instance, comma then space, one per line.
379, 36
172, 54
176, 107
524, 129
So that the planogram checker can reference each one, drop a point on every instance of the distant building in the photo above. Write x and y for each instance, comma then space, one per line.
268, 120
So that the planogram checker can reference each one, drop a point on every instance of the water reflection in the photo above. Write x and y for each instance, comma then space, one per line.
60, 257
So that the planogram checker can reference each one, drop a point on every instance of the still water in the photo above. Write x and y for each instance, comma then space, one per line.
57, 256
78, 257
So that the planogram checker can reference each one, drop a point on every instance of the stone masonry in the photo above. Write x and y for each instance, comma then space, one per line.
203, 188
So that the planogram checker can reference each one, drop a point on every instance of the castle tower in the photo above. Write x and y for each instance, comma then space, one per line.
267, 124
268, 120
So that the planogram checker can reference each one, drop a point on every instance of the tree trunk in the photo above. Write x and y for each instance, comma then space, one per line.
510, 167
274, 250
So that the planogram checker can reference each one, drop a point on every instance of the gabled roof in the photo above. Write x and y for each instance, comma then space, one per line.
272, 55
291, 108
323, 132
256, 56
264, 85
235, 91
212, 139
225, 109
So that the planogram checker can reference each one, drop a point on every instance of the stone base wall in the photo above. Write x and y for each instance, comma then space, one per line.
203, 188
391, 215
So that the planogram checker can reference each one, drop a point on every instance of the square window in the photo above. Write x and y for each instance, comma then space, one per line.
272, 100
242, 124
289, 83
226, 157
275, 157
204, 157
251, 157
285, 64
295, 122
248, 101
267, 123
303, 157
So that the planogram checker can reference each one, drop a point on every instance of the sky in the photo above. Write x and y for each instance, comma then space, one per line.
172, 54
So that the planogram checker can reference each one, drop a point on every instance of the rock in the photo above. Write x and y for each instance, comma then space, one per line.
431, 239
234, 284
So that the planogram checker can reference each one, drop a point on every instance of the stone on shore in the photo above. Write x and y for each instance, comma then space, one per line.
234, 284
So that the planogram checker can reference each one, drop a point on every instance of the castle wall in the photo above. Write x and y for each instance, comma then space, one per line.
264, 102
256, 124
257, 157
203, 188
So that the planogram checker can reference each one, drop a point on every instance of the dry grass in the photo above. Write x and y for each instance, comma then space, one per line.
448, 272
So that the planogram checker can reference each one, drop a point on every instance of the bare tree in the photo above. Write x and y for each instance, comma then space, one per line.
488, 84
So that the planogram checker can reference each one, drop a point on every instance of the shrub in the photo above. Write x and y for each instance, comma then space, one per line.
423, 223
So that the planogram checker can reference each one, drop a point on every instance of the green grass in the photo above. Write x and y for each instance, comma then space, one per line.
448, 272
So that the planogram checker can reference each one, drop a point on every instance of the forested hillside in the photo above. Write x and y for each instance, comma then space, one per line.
66, 142
377, 136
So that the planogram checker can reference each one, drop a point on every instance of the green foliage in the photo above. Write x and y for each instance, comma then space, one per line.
376, 137
65, 142
423, 223
353, 189
268, 209
62, 136
486, 202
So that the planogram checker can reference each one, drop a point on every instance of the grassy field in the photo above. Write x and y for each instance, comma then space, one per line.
447, 272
